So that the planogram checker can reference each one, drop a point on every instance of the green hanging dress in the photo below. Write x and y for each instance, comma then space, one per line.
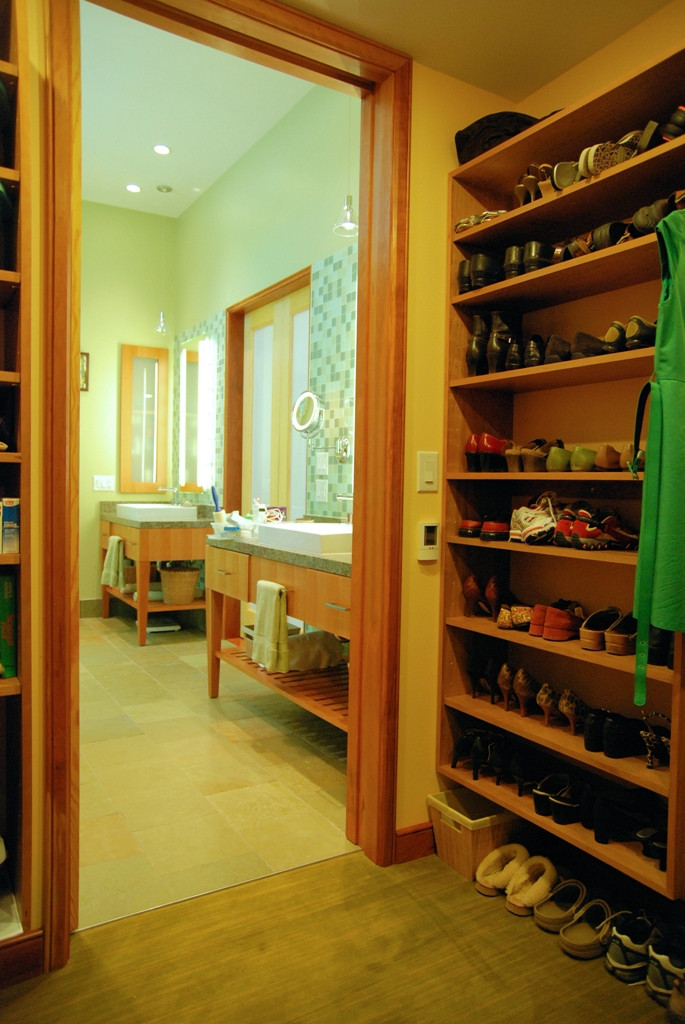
660, 579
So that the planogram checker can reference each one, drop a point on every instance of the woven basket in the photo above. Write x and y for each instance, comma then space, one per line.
178, 585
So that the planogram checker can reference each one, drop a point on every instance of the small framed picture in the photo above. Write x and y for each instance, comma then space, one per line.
83, 371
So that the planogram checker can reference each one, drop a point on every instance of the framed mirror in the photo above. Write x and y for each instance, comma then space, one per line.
144, 419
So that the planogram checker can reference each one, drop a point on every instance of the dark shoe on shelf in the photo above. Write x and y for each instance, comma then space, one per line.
640, 333
621, 736
537, 255
620, 638
491, 453
593, 629
503, 330
464, 276
476, 351
534, 352
615, 338
471, 453
558, 349
513, 261
584, 345
485, 269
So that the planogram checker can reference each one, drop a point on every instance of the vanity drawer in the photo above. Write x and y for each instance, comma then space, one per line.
321, 599
227, 573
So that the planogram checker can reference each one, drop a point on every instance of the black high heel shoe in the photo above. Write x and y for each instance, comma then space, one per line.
476, 351
484, 678
463, 745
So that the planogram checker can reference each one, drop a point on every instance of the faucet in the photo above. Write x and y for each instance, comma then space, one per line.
175, 500
346, 497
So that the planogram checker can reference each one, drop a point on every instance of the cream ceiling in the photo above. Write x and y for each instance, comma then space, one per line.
142, 86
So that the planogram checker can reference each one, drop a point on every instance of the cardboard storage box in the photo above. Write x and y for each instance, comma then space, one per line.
467, 826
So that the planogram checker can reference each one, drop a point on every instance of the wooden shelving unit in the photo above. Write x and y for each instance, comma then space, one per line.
586, 401
19, 938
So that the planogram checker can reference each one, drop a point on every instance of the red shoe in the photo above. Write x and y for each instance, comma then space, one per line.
470, 527
495, 528
471, 452
564, 528
491, 454
563, 623
599, 529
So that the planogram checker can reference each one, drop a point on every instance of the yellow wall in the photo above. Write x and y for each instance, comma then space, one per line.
440, 106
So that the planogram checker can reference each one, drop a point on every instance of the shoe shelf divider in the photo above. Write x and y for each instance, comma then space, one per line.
585, 294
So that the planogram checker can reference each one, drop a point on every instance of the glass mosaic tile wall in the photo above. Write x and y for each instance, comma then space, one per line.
332, 347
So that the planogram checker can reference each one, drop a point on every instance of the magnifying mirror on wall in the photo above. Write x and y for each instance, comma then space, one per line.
307, 414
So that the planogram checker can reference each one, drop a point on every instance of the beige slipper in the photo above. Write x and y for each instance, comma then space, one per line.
532, 883
498, 867
561, 906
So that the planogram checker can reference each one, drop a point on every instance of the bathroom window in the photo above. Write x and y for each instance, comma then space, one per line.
144, 415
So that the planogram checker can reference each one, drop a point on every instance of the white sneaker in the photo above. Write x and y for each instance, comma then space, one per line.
535, 524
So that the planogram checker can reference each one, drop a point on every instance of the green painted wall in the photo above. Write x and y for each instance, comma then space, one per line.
268, 216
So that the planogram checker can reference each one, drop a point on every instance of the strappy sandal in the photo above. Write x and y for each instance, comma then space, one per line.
657, 738
587, 935
561, 906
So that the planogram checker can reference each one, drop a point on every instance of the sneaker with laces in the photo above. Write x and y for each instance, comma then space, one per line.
627, 956
600, 529
564, 528
666, 963
536, 523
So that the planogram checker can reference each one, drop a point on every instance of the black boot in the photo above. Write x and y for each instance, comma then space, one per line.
476, 352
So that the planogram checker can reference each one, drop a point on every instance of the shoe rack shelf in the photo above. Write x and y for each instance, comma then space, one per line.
19, 935
585, 401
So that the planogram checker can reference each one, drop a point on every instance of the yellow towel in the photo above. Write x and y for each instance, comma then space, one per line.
270, 646
113, 569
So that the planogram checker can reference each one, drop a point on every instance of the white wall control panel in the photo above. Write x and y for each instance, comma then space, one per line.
103, 483
429, 540
427, 469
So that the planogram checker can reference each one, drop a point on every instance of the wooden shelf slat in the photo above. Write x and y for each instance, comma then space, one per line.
156, 606
636, 364
566, 649
558, 739
10, 687
625, 857
324, 693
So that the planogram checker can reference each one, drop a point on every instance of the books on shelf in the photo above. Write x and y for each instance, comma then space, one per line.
8, 625
10, 526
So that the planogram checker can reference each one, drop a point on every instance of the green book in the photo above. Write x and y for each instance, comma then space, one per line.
8, 625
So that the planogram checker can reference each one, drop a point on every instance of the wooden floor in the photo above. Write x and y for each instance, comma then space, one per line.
340, 942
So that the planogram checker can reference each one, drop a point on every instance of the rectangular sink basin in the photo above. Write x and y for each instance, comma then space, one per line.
309, 538
157, 512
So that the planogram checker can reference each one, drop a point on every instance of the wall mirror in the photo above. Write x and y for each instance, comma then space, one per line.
143, 419
197, 402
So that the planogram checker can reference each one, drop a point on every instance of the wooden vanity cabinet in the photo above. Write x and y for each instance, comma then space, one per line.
321, 599
586, 401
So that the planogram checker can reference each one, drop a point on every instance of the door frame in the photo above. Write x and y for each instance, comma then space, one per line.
279, 37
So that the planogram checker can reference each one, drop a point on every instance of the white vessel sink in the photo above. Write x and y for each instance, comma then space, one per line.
309, 538
157, 512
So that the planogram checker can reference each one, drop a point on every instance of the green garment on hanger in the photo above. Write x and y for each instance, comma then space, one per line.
660, 579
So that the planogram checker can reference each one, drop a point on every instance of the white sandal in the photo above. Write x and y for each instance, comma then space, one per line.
532, 883
498, 867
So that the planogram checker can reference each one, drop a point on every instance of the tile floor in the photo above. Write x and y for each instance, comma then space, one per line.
182, 795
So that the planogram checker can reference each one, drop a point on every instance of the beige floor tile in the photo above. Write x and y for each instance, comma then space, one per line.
111, 753
296, 839
256, 805
213, 792
106, 838
99, 729
118, 889
157, 794
180, 845
209, 877
163, 708
94, 800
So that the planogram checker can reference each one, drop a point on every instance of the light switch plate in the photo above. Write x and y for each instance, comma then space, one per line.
427, 471
103, 483
322, 463
322, 490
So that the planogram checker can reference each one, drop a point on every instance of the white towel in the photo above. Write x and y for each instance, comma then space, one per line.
270, 645
113, 569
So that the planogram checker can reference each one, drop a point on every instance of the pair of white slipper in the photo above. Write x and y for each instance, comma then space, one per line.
524, 880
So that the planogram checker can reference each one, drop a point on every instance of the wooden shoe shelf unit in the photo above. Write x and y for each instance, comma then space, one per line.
19, 941
584, 401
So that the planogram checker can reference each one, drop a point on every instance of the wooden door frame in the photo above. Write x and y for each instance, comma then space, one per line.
282, 38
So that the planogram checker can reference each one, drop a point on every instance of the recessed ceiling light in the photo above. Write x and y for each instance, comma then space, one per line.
164, 188
133, 188
162, 150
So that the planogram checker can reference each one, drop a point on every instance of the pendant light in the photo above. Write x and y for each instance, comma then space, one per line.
161, 327
347, 224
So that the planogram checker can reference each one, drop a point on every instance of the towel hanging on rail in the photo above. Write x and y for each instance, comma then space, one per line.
270, 646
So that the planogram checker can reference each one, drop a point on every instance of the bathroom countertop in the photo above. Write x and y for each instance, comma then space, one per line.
108, 513
341, 563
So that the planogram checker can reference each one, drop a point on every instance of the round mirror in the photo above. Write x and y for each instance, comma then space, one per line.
307, 414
